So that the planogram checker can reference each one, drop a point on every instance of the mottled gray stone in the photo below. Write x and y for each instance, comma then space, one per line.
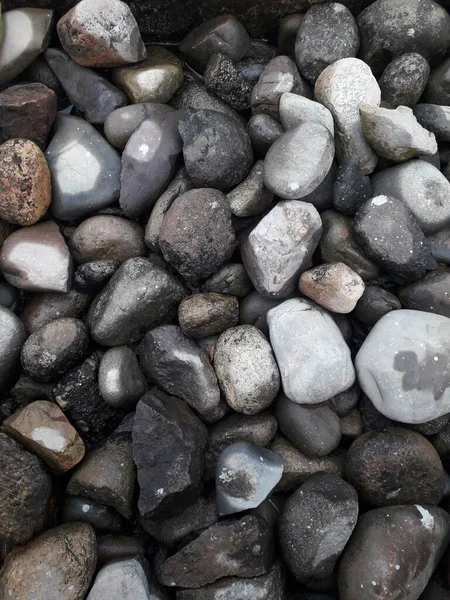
121, 313
246, 369
41, 309
120, 379
85, 169
351, 187
440, 245
405, 352
295, 109
404, 80
342, 88
12, 338
276, 251
180, 367
435, 118
203, 315
88, 91
251, 197
327, 33
295, 327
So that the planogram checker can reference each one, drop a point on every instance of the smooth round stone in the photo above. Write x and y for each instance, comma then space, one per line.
90, 93
379, 224
295, 327
411, 355
384, 545
12, 337
334, 25
342, 88
251, 197
424, 27
41, 309
287, 33
154, 79
26, 33
231, 279
246, 369
440, 245
281, 246
68, 552
224, 79
351, 188
27, 111
374, 304
263, 131
25, 188
404, 79
216, 148
201, 315
315, 525
85, 510
196, 236
435, 118
338, 244
106, 237
54, 349
436, 91
149, 162
37, 259
395, 466
314, 431
222, 34
120, 379
101, 33
295, 109
245, 476
85, 169
334, 286
121, 123
429, 294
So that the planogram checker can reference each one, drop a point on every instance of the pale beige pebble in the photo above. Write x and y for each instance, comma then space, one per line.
43, 429
334, 286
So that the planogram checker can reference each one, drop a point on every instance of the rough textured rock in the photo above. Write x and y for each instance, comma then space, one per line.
12, 338
404, 79
168, 448
226, 81
120, 379
201, 315
351, 187
194, 95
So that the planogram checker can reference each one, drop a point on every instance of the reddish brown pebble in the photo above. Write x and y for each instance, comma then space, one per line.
201, 315
25, 186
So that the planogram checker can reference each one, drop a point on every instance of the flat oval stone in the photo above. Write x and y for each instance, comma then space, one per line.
37, 259
101, 33
120, 379
201, 315
295, 327
299, 160
12, 338
404, 79
26, 33
408, 380
342, 87
85, 169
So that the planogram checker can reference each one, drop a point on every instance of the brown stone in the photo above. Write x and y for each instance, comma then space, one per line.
25, 187
201, 315
27, 111
43, 428
334, 286
41, 309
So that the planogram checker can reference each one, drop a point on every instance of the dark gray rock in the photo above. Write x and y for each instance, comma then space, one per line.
121, 313
40, 72
196, 236
120, 380
12, 338
180, 367
251, 197
379, 224
216, 148
436, 91
315, 525
203, 315
351, 188
149, 162
113, 547
346, 401
88, 91
253, 310
435, 118
287, 33
102, 518
91, 277
404, 79
8, 295
231, 279
432, 428
315, 431
440, 245
194, 95
224, 80
429, 294
321, 197
374, 304
250, 68
263, 131
42, 309
168, 448
54, 349
327, 33
235, 547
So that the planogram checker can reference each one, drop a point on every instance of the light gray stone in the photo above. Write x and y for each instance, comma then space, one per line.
313, 358
295, 109
342, 88
246, 368
281, 246
251, 197
85, 169
422, 188
299, 160
403, 366
120, 379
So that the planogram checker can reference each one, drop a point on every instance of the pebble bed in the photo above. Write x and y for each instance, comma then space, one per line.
225, 302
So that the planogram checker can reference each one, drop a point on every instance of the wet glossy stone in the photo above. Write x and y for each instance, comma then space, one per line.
26, 33
201, 315
37, 259
85, 169
404, 79
120, 379
101, 33
88, 91
245, 476
102, 518
41, 309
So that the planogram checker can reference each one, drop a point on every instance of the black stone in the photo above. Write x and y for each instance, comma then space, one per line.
372, 419
351, 188
374, 304
435, 118
404, 80
91, 277
102, 518
263, 131
224, 80
429, 294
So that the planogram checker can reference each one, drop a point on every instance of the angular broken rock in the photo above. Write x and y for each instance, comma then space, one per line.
44, 430
281, 246
245, 476
169, 443
241, 547
180, 367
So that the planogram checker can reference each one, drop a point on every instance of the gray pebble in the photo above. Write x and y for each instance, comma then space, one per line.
404, 79
231, 279
295, 109
429, 294
120, 379
251, 197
